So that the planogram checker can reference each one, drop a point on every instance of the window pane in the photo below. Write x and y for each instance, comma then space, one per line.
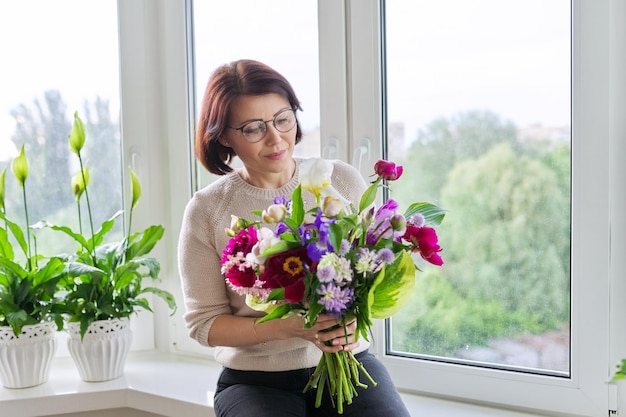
478, 96
280, 33
60, 57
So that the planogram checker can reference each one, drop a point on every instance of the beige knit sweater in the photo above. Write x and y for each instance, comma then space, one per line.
206, 295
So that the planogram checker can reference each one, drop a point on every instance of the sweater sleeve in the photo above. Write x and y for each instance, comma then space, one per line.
203, 287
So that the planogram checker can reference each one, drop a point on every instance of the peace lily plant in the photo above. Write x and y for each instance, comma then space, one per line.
106, 279
29, 283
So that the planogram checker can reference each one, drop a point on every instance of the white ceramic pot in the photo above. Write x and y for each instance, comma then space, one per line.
25, 359
101, 355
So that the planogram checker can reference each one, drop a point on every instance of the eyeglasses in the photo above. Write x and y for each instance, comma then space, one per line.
255, 130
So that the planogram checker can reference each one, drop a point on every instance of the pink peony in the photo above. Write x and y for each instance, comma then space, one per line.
425, 241
387, 170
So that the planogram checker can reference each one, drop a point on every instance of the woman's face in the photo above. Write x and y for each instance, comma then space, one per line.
268, 163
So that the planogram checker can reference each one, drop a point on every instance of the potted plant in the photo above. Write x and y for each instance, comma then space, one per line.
105, 284
30, 308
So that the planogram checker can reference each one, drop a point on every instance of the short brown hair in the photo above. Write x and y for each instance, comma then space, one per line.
239, 78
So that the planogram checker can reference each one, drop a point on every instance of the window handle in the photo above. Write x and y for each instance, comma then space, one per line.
330, 150
361, 153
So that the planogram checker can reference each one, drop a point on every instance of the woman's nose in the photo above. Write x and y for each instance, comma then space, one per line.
272, 135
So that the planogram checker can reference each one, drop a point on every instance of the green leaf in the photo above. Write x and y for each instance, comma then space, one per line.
277, 313
149, 239
2, 189
368, 197
16, 230
336, 235
164, 295
105, 227
297, 205
432, 214
77, 269
13, 268
76, 236
392, 287
278, 247
6, 249
52, 270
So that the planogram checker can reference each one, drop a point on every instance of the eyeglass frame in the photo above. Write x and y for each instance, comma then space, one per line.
265, 122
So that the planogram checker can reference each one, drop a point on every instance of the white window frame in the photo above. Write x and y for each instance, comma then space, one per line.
596, 136
156, 129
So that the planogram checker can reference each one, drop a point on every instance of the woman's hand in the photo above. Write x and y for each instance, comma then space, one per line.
328, 334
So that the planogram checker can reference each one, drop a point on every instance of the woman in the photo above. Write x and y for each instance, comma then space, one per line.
249, 111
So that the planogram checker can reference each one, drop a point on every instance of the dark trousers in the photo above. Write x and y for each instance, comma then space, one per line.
279, 394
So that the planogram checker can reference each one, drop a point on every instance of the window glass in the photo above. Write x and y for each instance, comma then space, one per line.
58, 58
478, 110
280, 33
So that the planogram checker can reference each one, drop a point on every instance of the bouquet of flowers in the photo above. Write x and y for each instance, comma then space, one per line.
333, 259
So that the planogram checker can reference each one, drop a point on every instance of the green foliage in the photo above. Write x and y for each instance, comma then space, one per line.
100, 280
442, 145
105, 279
28, 292
440, 320
506, 244
43, 127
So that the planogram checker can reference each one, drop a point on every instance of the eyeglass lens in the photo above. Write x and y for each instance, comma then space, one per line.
283, 122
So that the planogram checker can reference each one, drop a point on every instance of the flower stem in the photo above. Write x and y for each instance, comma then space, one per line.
91, 250
30, 259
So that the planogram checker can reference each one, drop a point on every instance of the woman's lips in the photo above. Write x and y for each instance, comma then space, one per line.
276, 155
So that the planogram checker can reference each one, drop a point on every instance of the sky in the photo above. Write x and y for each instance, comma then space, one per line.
443, 57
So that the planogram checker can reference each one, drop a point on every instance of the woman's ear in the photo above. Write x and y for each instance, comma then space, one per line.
224, 142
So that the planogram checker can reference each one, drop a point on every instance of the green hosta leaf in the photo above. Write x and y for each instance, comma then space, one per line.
392, 287
432, 214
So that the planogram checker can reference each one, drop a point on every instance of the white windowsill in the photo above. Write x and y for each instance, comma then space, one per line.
166, 384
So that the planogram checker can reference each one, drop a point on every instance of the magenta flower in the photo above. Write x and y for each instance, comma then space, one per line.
426, 243
242, 242
387, 170
237, 270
